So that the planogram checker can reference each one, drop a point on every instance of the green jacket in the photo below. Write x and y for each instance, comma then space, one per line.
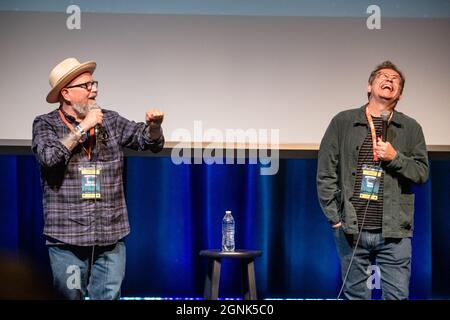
337, 163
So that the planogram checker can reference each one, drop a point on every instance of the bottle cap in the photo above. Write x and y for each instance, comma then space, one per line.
228, 211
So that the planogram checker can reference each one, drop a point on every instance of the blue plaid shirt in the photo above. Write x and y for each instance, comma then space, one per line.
69, 218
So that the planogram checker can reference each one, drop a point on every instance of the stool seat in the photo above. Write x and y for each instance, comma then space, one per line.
239, 253
211, 290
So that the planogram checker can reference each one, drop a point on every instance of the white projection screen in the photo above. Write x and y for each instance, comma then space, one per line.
250, 65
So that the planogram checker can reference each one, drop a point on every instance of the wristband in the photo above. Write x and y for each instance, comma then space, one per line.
80, 130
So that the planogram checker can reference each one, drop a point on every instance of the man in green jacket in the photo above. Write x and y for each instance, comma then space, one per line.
364, 184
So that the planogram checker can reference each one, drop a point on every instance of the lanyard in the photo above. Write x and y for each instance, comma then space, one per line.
374, 134
91, 133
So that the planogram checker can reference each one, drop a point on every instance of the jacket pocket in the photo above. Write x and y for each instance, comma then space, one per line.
339, 202
406, 214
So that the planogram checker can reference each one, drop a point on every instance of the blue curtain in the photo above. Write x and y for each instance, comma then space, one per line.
176, 210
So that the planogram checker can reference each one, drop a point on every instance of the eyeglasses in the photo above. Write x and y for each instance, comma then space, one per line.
87, 85
386, 76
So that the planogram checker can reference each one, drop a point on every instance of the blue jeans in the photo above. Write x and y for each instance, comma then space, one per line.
392, 257
74, 277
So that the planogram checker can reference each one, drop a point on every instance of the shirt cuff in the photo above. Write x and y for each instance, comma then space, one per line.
147, 137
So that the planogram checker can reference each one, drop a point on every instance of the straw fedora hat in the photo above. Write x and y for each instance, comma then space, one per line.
64, 72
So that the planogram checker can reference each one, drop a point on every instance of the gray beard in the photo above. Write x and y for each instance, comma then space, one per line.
81, 109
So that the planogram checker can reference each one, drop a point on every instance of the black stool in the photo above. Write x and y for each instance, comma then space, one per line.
213, 276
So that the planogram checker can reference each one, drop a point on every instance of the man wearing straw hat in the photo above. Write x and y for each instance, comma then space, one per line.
79, 150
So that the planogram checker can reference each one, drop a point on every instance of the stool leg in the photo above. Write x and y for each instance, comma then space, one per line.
248, 272
211, 290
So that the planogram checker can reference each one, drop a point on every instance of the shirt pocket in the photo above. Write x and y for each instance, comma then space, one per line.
81, 215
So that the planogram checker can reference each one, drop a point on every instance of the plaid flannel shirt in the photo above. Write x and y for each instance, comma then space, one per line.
69, 218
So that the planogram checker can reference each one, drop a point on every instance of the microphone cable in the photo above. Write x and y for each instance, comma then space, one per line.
96, 136
377, 178
385, 123
99, 134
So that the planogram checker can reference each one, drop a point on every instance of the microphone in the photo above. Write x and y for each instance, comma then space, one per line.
385, 115
99, 130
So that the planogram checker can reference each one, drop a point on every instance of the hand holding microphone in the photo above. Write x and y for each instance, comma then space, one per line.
384, 149
94, 118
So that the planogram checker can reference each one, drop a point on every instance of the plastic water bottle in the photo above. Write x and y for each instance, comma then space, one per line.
228, 232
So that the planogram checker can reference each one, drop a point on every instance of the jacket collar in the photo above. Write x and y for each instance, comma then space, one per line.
361, 119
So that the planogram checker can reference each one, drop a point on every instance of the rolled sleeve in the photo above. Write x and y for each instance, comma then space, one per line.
136, 135
46, 146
